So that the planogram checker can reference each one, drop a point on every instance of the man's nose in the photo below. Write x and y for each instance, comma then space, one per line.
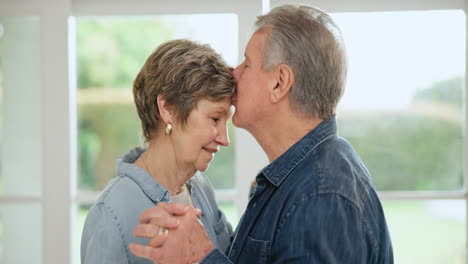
236, 73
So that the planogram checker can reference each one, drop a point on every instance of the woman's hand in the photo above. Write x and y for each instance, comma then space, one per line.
176, 235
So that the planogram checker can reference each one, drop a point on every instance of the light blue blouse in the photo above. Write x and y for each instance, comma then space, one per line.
108, 229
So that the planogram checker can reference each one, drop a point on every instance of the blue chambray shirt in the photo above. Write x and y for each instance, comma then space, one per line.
108, 229
315, 203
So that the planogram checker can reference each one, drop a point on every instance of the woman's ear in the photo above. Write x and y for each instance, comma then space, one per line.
164, 111
284, 80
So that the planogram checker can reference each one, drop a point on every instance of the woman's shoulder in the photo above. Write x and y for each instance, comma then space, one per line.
123, 196
116, 188
109, 224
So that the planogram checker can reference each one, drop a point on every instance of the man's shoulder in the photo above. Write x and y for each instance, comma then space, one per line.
334, 168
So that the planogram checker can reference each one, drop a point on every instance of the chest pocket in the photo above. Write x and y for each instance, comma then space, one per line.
255, 251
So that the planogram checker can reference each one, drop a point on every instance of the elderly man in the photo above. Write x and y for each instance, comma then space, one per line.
315, 202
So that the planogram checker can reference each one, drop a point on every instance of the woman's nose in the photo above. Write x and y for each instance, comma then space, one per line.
222, 138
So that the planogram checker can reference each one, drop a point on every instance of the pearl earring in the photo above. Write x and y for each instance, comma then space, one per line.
168, 128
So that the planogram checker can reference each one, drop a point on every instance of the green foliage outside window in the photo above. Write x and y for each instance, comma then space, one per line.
111, 52
417, 149
420, 148
448, 92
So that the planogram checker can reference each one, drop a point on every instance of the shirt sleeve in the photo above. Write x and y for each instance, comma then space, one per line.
222, 228
223, 231
101, 240
321, 229
215, 257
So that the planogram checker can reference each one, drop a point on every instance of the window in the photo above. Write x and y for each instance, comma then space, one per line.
403, 111
427, 231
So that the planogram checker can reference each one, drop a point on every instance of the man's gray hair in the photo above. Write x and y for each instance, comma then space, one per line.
306, 39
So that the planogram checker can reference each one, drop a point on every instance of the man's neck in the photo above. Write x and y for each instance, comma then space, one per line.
281, 132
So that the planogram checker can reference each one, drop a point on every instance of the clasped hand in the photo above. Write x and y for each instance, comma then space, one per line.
175, 235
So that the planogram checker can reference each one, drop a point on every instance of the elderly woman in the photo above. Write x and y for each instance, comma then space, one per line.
183, 98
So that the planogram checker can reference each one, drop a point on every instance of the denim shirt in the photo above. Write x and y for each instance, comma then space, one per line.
108, 229
315, 203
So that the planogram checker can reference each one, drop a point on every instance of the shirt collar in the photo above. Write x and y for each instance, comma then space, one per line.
280, 168
147, 184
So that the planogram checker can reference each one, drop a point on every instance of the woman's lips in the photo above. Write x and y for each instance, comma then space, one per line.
211, 150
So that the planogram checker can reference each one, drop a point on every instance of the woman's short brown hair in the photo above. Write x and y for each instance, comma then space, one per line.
182, 72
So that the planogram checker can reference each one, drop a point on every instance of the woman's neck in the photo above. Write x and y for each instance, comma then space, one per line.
160, 162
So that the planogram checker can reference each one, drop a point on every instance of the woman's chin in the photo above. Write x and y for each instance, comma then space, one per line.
204, 167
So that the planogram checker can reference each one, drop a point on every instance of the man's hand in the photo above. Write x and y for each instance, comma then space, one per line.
184, 240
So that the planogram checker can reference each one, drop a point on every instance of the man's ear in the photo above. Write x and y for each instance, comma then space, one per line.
164, 111
284, 80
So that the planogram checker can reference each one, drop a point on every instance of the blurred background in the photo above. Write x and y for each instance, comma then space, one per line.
67, 113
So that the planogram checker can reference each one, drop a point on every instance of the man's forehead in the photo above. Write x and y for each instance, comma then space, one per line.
255, 43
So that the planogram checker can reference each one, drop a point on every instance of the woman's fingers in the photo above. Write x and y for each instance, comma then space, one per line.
159, 240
